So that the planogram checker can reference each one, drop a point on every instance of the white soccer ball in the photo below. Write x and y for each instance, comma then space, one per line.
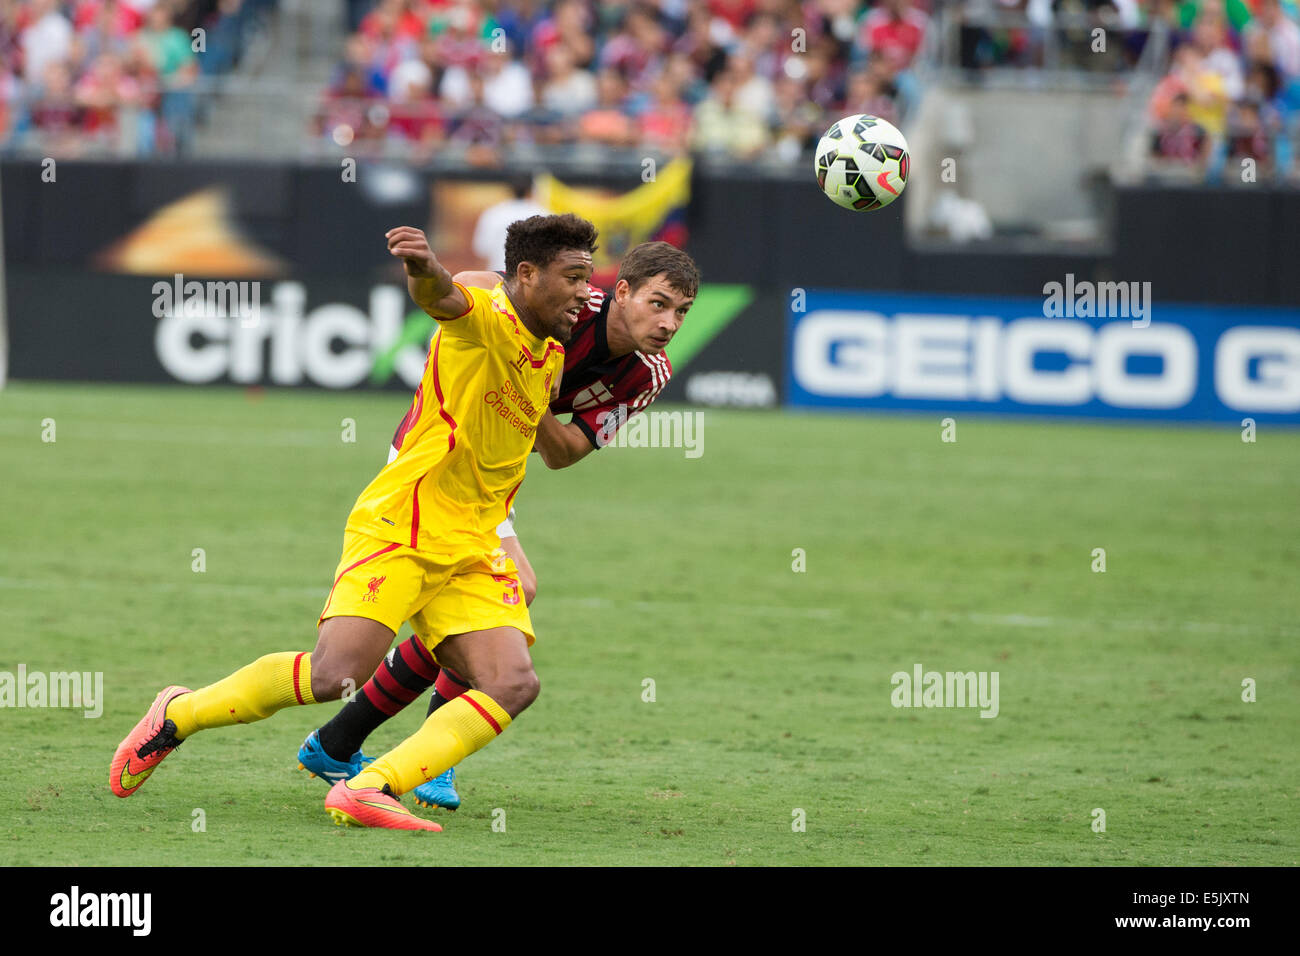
862, 162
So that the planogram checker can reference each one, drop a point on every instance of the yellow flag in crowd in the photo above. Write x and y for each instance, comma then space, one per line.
654, 210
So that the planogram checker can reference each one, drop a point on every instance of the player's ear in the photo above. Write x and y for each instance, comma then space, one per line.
622, 289
525, 272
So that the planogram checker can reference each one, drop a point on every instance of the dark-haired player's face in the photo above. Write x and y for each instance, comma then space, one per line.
557, 292
654, 312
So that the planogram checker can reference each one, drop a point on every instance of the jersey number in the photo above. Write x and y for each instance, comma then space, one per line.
511, 596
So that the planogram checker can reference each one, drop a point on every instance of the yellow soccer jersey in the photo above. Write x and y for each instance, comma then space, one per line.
464, 444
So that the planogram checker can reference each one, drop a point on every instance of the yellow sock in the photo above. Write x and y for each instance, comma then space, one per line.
249, 694
453, 732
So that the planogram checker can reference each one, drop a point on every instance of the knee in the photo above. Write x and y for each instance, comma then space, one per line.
515, 691
332, 676
530, 688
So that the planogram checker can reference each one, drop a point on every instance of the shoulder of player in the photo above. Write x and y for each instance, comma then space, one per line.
488, 321
493, 304
656, 367
645, 378
497, 306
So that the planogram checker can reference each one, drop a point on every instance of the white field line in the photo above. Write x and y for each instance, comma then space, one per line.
199, 587
37, 585
84, 432
162, 587
80, 431
1109, 623
762, 610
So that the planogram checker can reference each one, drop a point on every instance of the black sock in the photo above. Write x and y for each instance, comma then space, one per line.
402, 676
448, 686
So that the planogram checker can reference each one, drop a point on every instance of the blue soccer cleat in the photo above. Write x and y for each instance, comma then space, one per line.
439, 792
318, 763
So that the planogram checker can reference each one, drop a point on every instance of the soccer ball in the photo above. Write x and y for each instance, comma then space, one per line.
862, 163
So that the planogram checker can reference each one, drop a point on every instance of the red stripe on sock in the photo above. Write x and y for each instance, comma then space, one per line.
297, 673
417, 658
486, 716
385, 679
382, 701
448, 687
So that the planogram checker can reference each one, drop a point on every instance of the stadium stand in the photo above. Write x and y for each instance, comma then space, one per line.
723, 78
113, 76
1205, 84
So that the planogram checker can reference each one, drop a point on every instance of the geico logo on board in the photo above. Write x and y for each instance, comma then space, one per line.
856, 355
1274, 354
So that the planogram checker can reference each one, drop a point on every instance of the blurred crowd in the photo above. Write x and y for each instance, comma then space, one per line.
115, 75
732, 78
1232, 92
744, 79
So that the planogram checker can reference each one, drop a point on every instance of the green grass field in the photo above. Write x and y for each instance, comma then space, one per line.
1119, 690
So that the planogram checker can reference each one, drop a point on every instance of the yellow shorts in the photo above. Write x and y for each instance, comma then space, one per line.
391, 583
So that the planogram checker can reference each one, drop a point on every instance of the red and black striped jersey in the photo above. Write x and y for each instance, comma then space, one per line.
601, 391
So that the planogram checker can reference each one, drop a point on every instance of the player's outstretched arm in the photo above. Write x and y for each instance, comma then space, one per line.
429, 284
561, 445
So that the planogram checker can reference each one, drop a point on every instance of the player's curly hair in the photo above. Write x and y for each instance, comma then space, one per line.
539, 239
649, 259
